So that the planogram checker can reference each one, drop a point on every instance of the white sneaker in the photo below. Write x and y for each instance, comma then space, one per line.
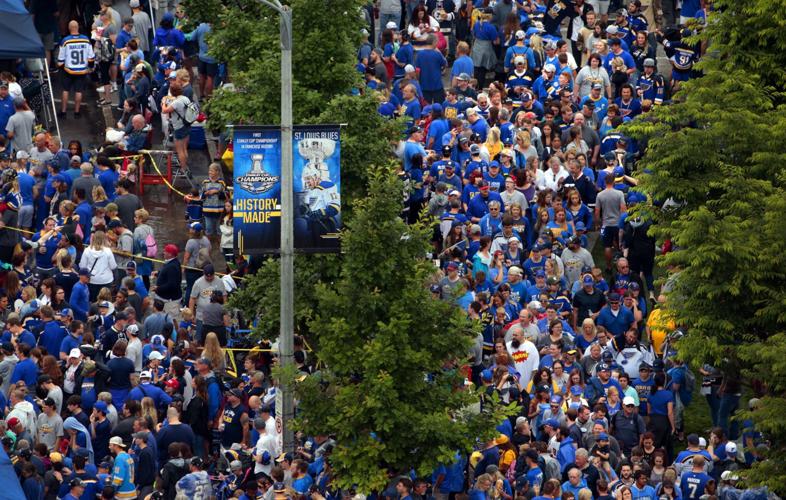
114, 87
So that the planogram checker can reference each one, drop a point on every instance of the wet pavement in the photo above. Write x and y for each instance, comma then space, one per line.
167, 209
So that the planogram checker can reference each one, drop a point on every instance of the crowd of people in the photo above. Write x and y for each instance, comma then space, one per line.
115, 377
515, 149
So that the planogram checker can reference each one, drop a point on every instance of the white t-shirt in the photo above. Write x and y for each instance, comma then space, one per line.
266, 442
526, 360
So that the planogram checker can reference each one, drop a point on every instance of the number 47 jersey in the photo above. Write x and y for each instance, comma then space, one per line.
76, 54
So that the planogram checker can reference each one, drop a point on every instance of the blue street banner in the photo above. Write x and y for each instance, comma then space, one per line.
317, 188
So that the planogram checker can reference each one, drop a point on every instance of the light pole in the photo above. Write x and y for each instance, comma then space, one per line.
286, 410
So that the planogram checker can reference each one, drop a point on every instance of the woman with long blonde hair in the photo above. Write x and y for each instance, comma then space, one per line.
212, 351
493, 143
149, 412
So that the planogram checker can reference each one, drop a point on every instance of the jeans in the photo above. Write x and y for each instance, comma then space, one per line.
384, 19
211, 224
713, 401
729, 403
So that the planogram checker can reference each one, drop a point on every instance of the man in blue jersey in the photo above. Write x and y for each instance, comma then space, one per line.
76, 57
693, 483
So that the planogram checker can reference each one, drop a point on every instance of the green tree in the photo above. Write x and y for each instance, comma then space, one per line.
392, 393
716, 155
246, 37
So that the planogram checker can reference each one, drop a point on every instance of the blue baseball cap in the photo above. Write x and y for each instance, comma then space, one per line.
580, 226
540, 273
552, 422
486, 374
587, 280
66, 312
576, 390
614, 297
556, 399
603, 436
196, 226
102, 407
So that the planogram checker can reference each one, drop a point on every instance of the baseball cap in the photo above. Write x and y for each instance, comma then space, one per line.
172, 383
7, 347
597, 86
576, 390
628, 401
580, 226
446, 151
13, 422
84, 272
133, 330
67, 313
235, 392
463, 77
603, 367
540, 273
520, 35
196, 226
133, 4
452, 265
101, 406
409, 68
515, 270
145, 374
104, 304
552, 422
483, 186
731, 449
549, 68
486, 374
519, 60
474, 150
131, 264
693, 439
171, 249
614, 297
76, 482
76, 158
454, 193
587, 280
155, 355
118, 441
75, 353
208, 269
22, 155
114, 223
603, 436
611, 29
645, 367
139, 68
391, 25
556, 399
553, 280
649, 62
615, 41
702, 442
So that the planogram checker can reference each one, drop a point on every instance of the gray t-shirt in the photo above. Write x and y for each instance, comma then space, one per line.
86, 183
203, 290
21, 124
177, 116
127, 204
49, 429
192, 247
609, 201
142, 26
213, 314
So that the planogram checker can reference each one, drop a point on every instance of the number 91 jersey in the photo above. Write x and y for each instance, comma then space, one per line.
76, 54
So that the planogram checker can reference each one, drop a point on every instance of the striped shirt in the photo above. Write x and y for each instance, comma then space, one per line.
76, 54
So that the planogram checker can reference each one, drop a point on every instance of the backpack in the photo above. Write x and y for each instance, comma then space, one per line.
150, 246
202, 257
190, 113
105, 50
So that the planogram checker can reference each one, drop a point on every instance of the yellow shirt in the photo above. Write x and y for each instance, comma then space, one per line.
660, 325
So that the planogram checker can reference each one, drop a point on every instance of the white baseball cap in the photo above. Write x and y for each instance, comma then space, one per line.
409, 68
145, 374
155, 355
75, 353
391, 25
117, 440
627, 400
133, 330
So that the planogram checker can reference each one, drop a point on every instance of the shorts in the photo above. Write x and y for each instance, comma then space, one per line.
207, 69
25, 216
680, 75
73, 83
610, 236
182, 133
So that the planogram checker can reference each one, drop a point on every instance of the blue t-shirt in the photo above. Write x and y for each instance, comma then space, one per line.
463, 64
659, 402
405, 55
27, 371
430, 62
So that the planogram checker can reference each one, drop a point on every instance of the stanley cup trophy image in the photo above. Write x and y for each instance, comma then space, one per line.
319, 205
315, 151
257, 181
